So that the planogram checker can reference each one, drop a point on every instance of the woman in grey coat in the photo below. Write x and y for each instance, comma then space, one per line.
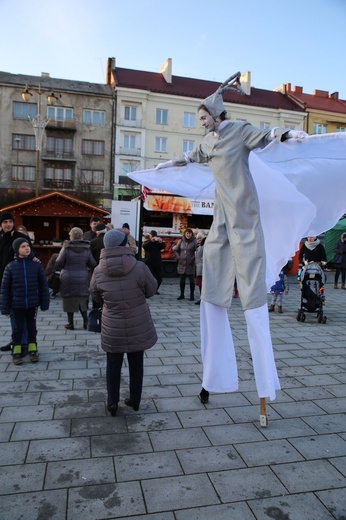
74, 263
185, 254
122, 284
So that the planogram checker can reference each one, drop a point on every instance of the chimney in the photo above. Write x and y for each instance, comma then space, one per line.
245, 81
166, 70
297, 90
111, 64
45, 75
320, 93
335, 95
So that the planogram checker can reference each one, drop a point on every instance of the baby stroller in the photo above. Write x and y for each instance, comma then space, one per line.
312, 280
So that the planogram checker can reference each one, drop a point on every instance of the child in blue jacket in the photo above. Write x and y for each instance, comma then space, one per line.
24, 288
277, 290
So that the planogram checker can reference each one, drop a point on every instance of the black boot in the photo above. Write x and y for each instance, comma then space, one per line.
192, 292
85, 319
204, 396
69, 325
182, 290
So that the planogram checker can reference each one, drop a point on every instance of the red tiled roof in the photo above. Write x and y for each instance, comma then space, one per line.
200, 89
319, 101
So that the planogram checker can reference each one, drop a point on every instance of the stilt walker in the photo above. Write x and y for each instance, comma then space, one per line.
236, 247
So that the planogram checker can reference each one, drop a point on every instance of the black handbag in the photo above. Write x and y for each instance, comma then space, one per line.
94, 320
337, 259
54, 282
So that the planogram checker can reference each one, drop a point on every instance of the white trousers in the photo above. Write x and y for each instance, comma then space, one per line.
220, 372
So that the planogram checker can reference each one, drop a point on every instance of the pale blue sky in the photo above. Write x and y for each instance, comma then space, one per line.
301, 42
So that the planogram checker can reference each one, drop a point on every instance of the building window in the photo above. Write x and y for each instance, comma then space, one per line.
319, 129
94, 117
161, 116
130, 113
58, 175
92, 147
341, 128
94, 177
264, 125
23, 142
189, 119
24, 110
129, 141
23, 173
160, 144
59, 146
60, 114
289, 127
128, 168
188, 146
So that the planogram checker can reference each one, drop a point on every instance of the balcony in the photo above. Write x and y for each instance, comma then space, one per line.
54, 155
134, 124
58, 184
129, 151
64, 124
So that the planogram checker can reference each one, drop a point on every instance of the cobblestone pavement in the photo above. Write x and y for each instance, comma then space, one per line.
62, 457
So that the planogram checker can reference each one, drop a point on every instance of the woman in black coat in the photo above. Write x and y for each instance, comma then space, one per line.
312, 251
340, 268
74, 263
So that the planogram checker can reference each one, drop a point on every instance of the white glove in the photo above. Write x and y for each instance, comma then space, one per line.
166, 164
297, 134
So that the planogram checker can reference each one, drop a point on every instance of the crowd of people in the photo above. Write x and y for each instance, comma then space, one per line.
102, 263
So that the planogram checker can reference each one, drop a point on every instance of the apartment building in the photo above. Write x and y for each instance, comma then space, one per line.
326, 113
56, 134
156, 116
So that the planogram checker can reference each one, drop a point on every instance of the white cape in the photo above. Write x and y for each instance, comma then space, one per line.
301, 188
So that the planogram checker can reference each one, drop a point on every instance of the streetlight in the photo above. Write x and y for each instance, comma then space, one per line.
39, 124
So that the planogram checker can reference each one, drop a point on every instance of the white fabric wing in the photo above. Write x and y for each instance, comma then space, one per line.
300, 185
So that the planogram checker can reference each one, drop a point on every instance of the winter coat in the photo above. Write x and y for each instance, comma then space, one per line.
185, 254
122, 283
24, 286
153, 253
74, 261
281, 285
340, 249
199, 258
318, 254
96, 245
6, 249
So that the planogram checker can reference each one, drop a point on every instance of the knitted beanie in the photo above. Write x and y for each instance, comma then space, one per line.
17, 243
6, 215
114, 237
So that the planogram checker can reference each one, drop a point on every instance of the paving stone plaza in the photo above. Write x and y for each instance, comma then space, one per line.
64, 458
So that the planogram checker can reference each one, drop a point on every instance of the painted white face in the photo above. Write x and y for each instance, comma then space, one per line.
206, 120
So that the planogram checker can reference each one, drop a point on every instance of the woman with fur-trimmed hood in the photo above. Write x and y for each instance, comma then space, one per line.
121, 284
